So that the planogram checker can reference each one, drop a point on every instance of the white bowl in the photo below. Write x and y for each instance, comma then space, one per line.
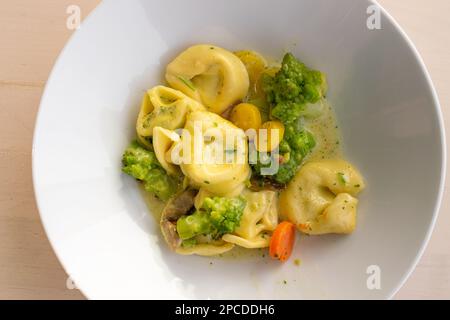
99, 224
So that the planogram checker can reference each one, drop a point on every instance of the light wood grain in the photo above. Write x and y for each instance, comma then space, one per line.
31, 35
428, 26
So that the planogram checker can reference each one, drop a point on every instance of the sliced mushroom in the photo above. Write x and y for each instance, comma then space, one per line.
169, 231
177, 207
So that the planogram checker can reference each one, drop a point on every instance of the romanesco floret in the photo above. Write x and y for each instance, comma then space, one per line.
301, 143
292, 88
290, 92
216, 217
143, 165
137, 161
296, 145
161, 184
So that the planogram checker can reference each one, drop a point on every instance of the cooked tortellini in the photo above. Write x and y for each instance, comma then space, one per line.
198, 151
321, 197
164, 107
212, 75
259, 219
206, 249
218, 160
163, 139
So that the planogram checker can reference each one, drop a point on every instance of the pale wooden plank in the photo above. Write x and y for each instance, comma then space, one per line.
33, 33
428, 26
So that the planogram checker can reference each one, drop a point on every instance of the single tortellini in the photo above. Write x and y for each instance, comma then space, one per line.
163, 139
164, 107
206, 249
259, 219
214, 154
212, 75
321, 197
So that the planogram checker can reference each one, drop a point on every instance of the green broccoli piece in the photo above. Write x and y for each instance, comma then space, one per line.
225, 213
294, 86
284, 147
295, 146
143, 165
192, 225
137, 161
161, 184
291, 92
286, 171
287, 111
216, 217
302, 141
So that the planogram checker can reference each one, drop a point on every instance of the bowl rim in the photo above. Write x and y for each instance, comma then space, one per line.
437, 110
443, 169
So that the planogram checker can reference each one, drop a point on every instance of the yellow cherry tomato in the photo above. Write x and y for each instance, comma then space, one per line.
266, 142
246, 116
254, 63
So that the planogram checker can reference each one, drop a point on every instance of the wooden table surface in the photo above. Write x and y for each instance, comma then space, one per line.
32, 33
